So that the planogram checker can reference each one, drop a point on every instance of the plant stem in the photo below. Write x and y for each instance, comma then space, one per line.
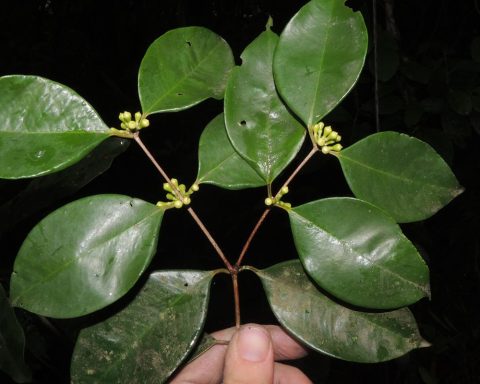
236, 296
210, 238
267, 211
252, 235
190, 210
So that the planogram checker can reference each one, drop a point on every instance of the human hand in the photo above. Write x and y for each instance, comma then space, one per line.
249, 358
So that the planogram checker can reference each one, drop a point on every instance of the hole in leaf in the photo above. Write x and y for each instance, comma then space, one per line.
185, 285
189, 43
243, 122
179, 94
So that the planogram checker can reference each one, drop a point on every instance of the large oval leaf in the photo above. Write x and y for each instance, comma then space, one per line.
319, 57
147, 340
259, 125
400, 174
45, 127
331, 328
12, 343
183, 67
85, 255
219, 163
358, 253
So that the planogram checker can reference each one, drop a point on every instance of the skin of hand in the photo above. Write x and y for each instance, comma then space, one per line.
249, 358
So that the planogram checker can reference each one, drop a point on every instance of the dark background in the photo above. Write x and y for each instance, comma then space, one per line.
428, 74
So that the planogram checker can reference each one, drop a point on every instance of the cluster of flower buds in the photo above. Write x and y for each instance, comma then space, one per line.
178, 195
277, 200
326, 138
133, 125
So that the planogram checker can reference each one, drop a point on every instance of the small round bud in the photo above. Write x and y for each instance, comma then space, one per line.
269, 201
327, 131
284, 190
187, 200
132, 125
326, 150
144, 123
120, 116
321, 141
178, 204
127, 116
338, 138
333, 135
174, 182
167, 187
195, 187
337, 147
123, 126
288, 205
138, 116
171, 197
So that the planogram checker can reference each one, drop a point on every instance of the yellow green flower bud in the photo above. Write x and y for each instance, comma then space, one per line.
326, 150
144, 123
187, 200
337, 147
269, 201
321, 141
195, 187
127, 116
333, 135
171, 197
338, 138
178, 204
327, 131
132, 125
167, 187
138, 116
174, 182
123, 126
284, 190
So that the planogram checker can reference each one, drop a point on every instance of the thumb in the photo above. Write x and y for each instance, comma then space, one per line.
249, 358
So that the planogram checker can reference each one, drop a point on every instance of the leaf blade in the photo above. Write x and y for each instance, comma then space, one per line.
12, 343
259, 125
219, 163
46, 127
319, 57
331, 328
359, 254
400, 174
182, 68
147, 340
67, 271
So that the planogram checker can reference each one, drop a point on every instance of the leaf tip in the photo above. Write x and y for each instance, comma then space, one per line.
424, 344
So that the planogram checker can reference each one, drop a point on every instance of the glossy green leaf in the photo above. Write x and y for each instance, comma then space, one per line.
219, 163
85, 255
400, 174
319, 57
358, 253
12, 343
182, 68
331, 328
260, 127
147, 340
45, 127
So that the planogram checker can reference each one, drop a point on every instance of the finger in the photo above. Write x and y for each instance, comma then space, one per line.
285, 374
284, 346
249, 357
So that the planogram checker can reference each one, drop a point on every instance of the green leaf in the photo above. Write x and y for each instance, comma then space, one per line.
12, 343
182, 68
85, 255
400, 174
219, 163
45, 127
258, 124
358, 253
148, 339
319, 57
331, 328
